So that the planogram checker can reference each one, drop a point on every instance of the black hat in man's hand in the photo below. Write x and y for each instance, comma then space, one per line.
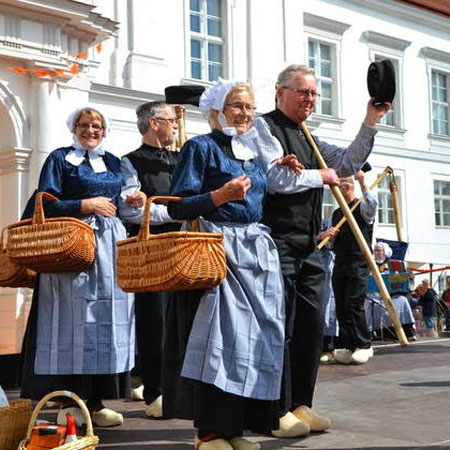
381, 81
184, 94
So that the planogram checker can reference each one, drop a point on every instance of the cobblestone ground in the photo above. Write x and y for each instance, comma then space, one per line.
400, 399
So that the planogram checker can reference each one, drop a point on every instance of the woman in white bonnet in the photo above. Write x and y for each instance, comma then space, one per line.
80, 332
224, 346
382, 252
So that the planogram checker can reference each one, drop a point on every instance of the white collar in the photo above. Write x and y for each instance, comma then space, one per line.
76, 156
242, 145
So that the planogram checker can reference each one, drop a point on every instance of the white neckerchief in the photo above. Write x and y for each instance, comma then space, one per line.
242, 145
76, 157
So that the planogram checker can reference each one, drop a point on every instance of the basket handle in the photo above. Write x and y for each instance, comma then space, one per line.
3, 239
144, 231
38, 215
80, 403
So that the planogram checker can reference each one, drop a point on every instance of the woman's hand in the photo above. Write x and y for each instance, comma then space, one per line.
293, 162
136, 200
98, 205
233, 190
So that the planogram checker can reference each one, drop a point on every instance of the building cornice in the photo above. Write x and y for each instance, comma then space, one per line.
435, 54
374, 38
324, 24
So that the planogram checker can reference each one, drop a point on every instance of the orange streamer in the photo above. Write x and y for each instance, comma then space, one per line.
20, 70
99, 47
81, 55
74, 68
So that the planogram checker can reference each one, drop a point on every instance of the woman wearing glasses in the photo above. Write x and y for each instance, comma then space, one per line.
80, 333
224, 346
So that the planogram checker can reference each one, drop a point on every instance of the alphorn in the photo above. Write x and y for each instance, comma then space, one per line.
382, 176
396, 206
361, 242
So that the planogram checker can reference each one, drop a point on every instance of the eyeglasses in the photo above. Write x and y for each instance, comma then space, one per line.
242, 107
303, 92
85, 126
171, 121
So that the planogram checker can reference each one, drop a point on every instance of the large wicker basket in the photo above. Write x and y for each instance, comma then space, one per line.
88, 442
13, 423
12, 275
173, 261
57, 244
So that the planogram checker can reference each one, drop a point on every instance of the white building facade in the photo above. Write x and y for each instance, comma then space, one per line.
150, 44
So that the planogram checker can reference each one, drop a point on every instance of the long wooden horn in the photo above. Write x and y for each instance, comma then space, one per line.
382, 176
361, 242
396, 206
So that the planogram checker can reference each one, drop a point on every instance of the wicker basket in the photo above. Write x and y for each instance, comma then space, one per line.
173, 261
57, 244
13, 423
88, 442
12, 275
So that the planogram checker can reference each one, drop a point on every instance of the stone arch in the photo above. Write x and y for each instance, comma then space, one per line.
13, 124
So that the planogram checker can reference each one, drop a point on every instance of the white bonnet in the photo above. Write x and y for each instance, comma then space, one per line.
387, 249
214, 97
70, 122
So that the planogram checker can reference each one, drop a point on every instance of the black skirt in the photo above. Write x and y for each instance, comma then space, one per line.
93, 387
209, 407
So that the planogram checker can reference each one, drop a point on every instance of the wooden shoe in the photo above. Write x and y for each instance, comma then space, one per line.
137, 393
326, 356
315, 421
343, 356
239, 443
211, 442
106, 417
291, 426
76, 413
361, 355
155, 408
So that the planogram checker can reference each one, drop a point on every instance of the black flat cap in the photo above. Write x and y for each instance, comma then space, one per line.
381, 81
184, 94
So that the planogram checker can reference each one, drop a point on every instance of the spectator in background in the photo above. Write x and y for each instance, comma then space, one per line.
446, 301
428, 301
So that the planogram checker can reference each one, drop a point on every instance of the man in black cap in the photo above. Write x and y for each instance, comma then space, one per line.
350, 274
147, 171
293, 212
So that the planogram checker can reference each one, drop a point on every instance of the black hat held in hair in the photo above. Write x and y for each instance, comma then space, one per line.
381, 81
184, 94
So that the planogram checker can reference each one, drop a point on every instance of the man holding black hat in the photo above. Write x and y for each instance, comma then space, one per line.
147, 171
293, 212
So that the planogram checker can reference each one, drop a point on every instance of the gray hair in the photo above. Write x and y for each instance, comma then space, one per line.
285, 77
146, 111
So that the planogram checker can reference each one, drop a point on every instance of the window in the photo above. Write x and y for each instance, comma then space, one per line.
442, 203
320, 58
440, 102
206, 44
385, 206
329, 203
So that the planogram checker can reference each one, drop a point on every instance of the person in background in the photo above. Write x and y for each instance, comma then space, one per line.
80, 333
223, 356
428, 302
350, 274
382, 252
146, 172
446, 301
331, 328
293, 213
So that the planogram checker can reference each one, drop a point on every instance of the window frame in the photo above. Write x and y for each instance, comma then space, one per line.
441, 197
205, 39
447, 78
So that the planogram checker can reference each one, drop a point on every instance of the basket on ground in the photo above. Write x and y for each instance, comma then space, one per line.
172, 261
13, 423
12, 275
87, 442
57, 244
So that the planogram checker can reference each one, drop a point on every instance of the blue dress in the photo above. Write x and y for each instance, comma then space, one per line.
235, 342
84, 323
